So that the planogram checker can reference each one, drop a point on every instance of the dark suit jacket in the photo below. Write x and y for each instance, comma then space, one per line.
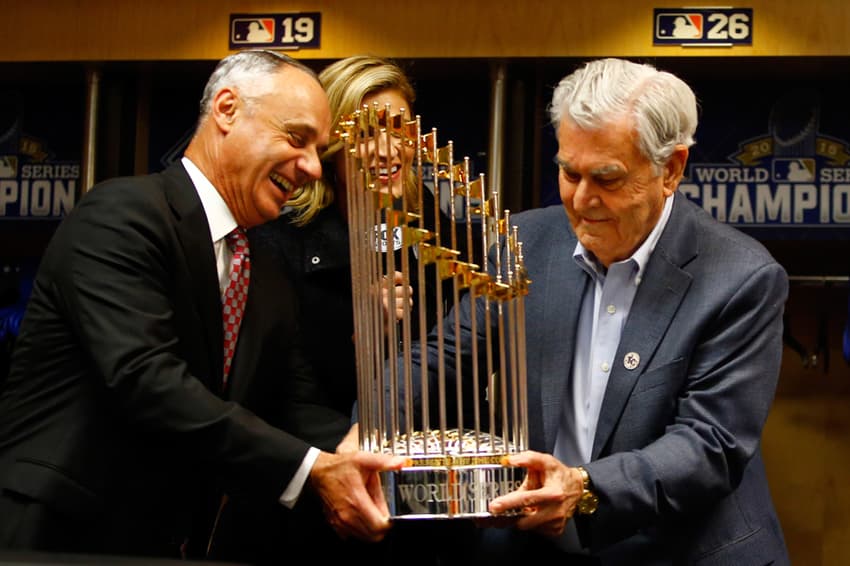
676, 457
113, 415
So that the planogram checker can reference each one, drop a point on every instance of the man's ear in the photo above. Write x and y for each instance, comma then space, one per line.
674, 169
224, 106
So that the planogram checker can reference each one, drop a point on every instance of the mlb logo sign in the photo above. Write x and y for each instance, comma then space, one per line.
298, 30
794, 170
709, 27
679, 26
252, 31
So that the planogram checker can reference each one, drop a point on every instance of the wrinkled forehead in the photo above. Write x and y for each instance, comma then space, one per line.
296, 97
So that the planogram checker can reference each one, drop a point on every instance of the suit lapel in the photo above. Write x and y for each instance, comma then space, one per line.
268, 316
551, 318
193, 233
664, 286
560, 320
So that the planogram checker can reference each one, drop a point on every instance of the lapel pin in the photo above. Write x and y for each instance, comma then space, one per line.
631, 360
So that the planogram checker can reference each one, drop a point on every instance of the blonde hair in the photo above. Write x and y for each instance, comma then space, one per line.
347, 82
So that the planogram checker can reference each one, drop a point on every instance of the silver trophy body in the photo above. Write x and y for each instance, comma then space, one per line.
454, 470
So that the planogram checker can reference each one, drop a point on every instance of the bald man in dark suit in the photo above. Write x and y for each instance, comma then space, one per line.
118, 431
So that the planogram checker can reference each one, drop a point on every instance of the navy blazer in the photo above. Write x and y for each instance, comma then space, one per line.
113, 413
676, 458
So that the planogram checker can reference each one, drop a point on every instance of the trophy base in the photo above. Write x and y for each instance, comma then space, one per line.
454, 485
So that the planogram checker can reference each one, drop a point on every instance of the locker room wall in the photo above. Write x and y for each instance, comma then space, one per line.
153, 58
161, 30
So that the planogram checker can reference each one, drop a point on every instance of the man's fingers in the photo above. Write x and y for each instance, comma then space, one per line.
380, 462
373, 488
528, 459
517, 500
372, 523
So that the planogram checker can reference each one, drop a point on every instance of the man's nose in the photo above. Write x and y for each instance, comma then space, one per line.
310, 165
585, 194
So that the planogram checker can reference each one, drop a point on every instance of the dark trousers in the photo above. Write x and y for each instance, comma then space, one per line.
512, 546
28, 524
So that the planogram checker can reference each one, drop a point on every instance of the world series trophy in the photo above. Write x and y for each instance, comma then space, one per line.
454, 470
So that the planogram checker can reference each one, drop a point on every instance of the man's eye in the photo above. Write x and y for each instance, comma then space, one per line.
609, 183
296, 139
571, 176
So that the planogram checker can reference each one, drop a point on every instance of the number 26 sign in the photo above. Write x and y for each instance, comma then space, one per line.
703, 27
276, 31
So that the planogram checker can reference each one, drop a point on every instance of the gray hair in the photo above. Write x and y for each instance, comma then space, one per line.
243, 67
662, 105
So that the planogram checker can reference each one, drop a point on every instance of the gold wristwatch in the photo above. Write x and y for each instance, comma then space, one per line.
589, 501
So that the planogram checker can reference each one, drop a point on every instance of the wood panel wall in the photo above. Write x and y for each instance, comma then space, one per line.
105, 30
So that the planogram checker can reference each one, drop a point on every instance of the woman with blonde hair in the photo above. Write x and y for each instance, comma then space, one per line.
352, 83
311, 236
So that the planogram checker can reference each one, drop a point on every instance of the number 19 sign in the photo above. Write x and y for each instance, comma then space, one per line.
276, 31
703, 27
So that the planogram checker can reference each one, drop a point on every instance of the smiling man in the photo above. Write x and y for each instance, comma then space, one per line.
150, 344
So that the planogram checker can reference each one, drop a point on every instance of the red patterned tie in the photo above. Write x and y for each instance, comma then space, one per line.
233, 301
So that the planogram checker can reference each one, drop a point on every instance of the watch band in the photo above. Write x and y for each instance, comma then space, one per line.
589, 501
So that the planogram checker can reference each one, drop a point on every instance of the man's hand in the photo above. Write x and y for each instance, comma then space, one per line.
547, 497
351, 442
350, 488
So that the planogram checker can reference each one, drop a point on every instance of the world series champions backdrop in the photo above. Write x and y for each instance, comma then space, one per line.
40, 151
772, 157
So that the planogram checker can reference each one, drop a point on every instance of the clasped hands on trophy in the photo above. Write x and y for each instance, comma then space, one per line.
545, 501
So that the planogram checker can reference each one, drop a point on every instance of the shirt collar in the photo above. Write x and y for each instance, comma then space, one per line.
219, 217
586, 259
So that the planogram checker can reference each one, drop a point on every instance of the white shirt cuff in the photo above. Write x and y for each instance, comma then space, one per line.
296, 484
